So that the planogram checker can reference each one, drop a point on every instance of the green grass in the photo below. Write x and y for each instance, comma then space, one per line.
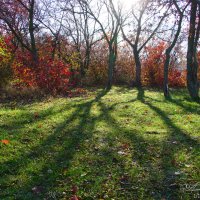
121, 144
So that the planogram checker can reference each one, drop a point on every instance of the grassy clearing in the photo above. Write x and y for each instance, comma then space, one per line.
124, 144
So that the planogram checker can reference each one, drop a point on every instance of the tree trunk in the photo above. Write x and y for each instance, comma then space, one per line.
31, 32
168, 51
54, 46
111, 65
138, 68
192, 63
166, 72
82, 68
192, 79
85, 63
81, 63
87, 59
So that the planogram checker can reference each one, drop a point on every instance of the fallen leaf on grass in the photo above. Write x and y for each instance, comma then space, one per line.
36, 115
173, 162
40, 126
74, 189
5, 141
125, 146
74, 197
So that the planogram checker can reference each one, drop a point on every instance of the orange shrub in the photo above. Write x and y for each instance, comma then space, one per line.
125, 66
97, 71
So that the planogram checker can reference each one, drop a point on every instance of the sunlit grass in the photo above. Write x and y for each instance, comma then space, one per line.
121, 144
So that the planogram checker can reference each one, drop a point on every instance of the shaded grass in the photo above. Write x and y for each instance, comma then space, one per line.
118, 144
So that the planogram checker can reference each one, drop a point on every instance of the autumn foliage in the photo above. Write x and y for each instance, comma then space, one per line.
53, 74
5, 142
153, 68
97, 71
48, 75
124, 71
125, 66
5, 62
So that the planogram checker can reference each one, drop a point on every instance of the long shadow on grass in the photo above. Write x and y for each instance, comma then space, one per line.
56, 152
176, 141
70, 134
189, 108
25, 117
142, 152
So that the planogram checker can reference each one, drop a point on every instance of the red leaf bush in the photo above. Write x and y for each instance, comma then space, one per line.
153, 68
51, 76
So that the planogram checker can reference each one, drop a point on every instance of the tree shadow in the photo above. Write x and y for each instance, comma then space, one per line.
193, 109
124, 89
143, 155
176, 141
27, 117
123, 143
56, 151
185, 95
128, 186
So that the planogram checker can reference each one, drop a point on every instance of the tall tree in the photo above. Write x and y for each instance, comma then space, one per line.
173, 42
192, 61
110, 28
82, 31
144, 29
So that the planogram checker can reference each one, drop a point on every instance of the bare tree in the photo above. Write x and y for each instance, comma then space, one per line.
19, 17
82, 32
144, 29
110, 27
173, 42
51, 20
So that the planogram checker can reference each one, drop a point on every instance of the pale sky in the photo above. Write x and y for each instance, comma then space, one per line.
128, 3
